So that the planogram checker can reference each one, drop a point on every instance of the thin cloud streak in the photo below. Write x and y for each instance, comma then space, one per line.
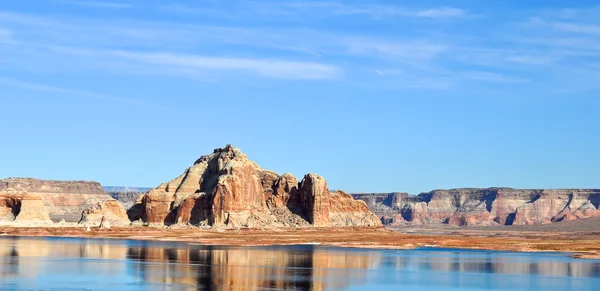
444, 12
97, 4
274, 68
493, 77
327, 8
569, 27
67, 91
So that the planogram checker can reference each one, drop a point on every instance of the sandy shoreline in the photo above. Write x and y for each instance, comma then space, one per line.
580, 245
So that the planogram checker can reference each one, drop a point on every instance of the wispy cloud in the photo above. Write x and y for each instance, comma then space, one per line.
444, 12
530, 59
385, 10
313, 8
407, 51
98, 4
492, 77
67, 91
309, 40
574, 27
274, 68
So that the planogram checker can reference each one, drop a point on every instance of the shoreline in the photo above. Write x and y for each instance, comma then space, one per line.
576, 245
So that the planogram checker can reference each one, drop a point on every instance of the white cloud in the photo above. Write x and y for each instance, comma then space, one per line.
67, 91
98, 4
575, 26
579, 14
444, 12
412, 52
388, 72
275, 68
530, 59
492, 77
300, 9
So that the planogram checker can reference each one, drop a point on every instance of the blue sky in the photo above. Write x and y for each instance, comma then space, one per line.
373, 95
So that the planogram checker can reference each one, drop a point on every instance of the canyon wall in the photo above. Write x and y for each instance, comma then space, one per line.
491, 206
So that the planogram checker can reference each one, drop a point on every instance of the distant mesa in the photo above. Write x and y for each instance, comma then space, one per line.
483, 207
52, 200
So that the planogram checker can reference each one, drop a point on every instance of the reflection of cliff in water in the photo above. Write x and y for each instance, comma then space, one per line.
27, 257
301, 268
271, 268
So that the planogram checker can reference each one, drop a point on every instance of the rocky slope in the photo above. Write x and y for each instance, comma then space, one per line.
225, 189
58, 199
491, 206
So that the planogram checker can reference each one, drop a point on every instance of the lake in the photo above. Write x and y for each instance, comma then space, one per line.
103, 264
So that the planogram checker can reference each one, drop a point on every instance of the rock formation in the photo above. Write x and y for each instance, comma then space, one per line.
225, 189
23, 208
109, 211
60, 199
491, 206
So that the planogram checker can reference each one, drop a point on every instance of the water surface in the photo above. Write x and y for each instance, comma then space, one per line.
102, 264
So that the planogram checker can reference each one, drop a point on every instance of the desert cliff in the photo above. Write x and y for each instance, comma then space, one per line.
226, 189
490, 206
45, 201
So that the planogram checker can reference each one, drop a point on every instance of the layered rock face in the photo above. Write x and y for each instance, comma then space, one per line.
61, 199
226, 189
492, 206
23, 208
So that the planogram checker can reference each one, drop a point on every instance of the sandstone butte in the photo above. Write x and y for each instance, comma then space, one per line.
226, 189
484, 207
25, 201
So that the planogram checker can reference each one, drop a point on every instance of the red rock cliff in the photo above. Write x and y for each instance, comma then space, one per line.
226, 189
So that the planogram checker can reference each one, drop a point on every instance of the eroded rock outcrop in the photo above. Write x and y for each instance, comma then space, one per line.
23, 208
109, 211
225, 189
62, 199
491, 206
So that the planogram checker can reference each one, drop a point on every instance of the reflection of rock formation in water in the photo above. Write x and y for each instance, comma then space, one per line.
28, 256
514, 264
298, 268
255, 268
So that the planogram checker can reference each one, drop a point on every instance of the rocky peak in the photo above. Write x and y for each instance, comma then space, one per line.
225, 188
224, 155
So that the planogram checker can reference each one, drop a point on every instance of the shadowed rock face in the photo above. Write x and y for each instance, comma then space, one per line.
23, 208
226, 189
60, 199
491, 206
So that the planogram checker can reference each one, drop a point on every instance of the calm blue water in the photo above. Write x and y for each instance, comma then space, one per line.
96, 264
